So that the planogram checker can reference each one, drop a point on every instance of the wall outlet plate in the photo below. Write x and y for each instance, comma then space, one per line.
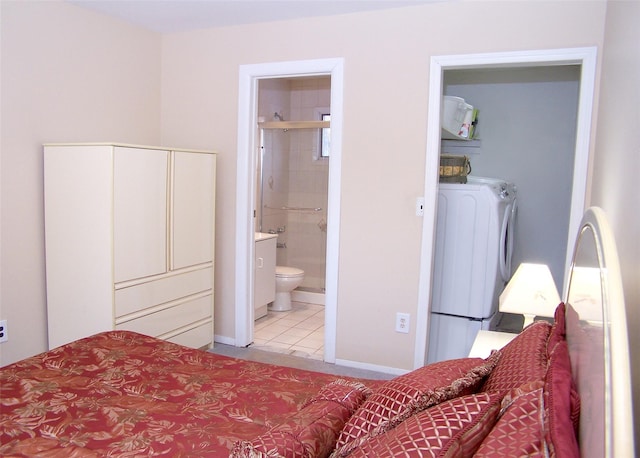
403, 321
4, 336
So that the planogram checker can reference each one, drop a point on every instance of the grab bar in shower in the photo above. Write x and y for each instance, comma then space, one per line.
296, 209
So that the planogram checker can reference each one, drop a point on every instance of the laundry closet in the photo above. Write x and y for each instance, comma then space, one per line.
525, 136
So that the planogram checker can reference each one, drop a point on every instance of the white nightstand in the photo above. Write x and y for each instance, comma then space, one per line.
489, 340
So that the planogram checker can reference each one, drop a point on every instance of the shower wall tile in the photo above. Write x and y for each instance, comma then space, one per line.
308, 183
274, 96
294, 176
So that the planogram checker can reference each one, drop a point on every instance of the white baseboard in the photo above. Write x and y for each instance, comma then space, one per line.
224, 340
371, 367
308, 297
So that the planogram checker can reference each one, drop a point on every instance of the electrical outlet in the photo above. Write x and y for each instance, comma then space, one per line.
4, 336
403, 321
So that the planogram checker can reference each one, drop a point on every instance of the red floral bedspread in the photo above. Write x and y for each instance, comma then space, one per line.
125, 394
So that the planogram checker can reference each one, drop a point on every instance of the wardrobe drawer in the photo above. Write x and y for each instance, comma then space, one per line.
199, 337
172, 318
139, 297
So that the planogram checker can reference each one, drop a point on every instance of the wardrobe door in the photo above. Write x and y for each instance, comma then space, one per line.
193, 208
77, 210
140, 212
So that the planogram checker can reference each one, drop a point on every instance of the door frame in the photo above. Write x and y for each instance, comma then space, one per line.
586, 58
246, 190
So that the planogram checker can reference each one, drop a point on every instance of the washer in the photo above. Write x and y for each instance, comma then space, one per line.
472, 261
507, 209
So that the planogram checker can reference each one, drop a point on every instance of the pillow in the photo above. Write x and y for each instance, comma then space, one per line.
454, 428
522, 360
562, 405
401, 397
520, 429
344, 392
558, 330
313, 430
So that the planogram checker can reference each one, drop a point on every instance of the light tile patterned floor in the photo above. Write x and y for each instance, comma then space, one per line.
299, 332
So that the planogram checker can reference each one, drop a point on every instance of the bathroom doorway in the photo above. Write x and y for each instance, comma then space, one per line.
293, 175
247, 190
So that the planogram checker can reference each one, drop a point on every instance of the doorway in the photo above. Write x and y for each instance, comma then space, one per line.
292, 175
248, 145
585, 58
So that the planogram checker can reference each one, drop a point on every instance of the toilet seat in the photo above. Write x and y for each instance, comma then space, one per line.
288, 272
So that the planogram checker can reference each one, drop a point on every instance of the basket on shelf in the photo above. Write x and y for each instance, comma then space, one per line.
454, 169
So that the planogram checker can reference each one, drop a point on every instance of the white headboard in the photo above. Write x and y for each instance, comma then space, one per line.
598, 344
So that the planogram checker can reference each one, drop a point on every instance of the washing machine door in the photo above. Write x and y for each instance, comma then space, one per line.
507, 234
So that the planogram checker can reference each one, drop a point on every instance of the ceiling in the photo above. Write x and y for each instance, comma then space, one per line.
168, 16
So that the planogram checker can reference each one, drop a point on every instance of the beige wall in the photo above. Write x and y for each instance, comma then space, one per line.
617, 151
71, 75
67, 75
386, 72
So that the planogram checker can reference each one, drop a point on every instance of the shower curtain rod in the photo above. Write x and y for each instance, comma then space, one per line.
296, 209
294, 124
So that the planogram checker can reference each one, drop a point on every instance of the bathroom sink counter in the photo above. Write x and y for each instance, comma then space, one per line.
264, 236
265, 272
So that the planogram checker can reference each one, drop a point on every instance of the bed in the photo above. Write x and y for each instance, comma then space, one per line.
560, 389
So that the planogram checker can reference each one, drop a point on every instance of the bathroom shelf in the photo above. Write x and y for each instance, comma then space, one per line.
294, 124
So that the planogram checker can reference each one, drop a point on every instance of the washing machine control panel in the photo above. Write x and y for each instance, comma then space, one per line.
503, 189
504, 192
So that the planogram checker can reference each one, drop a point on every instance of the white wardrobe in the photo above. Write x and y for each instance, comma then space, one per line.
129, 236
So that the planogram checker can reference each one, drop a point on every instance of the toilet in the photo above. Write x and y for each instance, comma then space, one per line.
287, 279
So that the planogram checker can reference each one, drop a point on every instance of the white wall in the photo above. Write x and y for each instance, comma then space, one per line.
617, 150
385, 107
67, 75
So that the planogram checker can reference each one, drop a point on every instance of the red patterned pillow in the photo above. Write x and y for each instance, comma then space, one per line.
344, 392
522, 360
313, 430
558, 330
520, 429
403, 396
562, 405
454, 428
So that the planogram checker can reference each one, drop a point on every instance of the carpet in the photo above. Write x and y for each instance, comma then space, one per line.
280, 359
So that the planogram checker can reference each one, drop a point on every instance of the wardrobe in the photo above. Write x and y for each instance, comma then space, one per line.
129, 240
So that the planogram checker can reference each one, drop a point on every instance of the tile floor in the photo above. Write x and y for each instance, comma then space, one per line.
299, 332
